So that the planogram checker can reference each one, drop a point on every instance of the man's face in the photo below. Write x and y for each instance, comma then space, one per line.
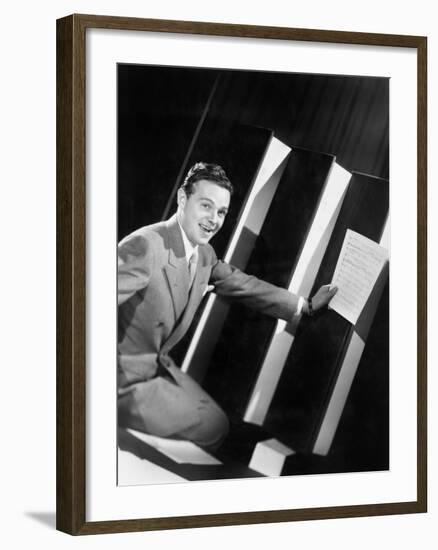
202, 213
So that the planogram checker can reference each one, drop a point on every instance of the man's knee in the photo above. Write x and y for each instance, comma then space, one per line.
218, 429
212, 429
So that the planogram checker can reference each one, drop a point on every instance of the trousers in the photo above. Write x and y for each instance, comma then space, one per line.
190, 412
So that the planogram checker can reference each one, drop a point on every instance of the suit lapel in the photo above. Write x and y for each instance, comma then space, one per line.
176, 270
179, 286
194, 298
196, 291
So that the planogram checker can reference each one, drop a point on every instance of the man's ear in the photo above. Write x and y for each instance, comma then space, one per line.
181, 198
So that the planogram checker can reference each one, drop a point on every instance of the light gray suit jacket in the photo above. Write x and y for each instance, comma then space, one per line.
156, 308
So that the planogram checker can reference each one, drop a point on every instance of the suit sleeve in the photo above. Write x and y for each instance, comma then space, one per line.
237, 286
135, 265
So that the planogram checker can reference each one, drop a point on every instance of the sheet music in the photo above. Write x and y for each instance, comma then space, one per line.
359, 264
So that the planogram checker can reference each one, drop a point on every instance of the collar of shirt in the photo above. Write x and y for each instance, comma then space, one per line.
188, 247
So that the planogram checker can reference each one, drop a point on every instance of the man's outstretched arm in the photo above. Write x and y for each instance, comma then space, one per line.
235, 285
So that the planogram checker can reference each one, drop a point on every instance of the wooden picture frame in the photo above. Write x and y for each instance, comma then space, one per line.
71, 273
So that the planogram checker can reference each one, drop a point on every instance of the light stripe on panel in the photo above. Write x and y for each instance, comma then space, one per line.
250, 222
301, 284
348, 369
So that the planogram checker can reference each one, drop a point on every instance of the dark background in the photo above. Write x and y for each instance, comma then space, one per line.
163, 115
161, 109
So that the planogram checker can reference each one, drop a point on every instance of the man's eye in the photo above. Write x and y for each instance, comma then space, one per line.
206, 205
222, 214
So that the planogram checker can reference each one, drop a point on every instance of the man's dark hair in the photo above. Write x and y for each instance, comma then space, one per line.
204, 171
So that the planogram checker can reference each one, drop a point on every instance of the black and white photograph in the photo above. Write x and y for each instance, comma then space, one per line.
253, 258
219, 296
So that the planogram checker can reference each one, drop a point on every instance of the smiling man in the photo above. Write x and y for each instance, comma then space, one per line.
202, 207
163, 272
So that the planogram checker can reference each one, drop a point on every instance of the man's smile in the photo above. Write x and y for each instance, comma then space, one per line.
207, 229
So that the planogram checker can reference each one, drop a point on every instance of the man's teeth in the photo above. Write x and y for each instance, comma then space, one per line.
207, 229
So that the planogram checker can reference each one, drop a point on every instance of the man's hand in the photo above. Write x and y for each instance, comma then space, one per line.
322, 297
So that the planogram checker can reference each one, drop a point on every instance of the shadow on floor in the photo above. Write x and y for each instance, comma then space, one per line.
46, 518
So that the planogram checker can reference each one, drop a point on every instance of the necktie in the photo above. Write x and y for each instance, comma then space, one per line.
192, 267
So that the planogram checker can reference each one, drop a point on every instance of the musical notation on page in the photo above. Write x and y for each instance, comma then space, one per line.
359, 264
